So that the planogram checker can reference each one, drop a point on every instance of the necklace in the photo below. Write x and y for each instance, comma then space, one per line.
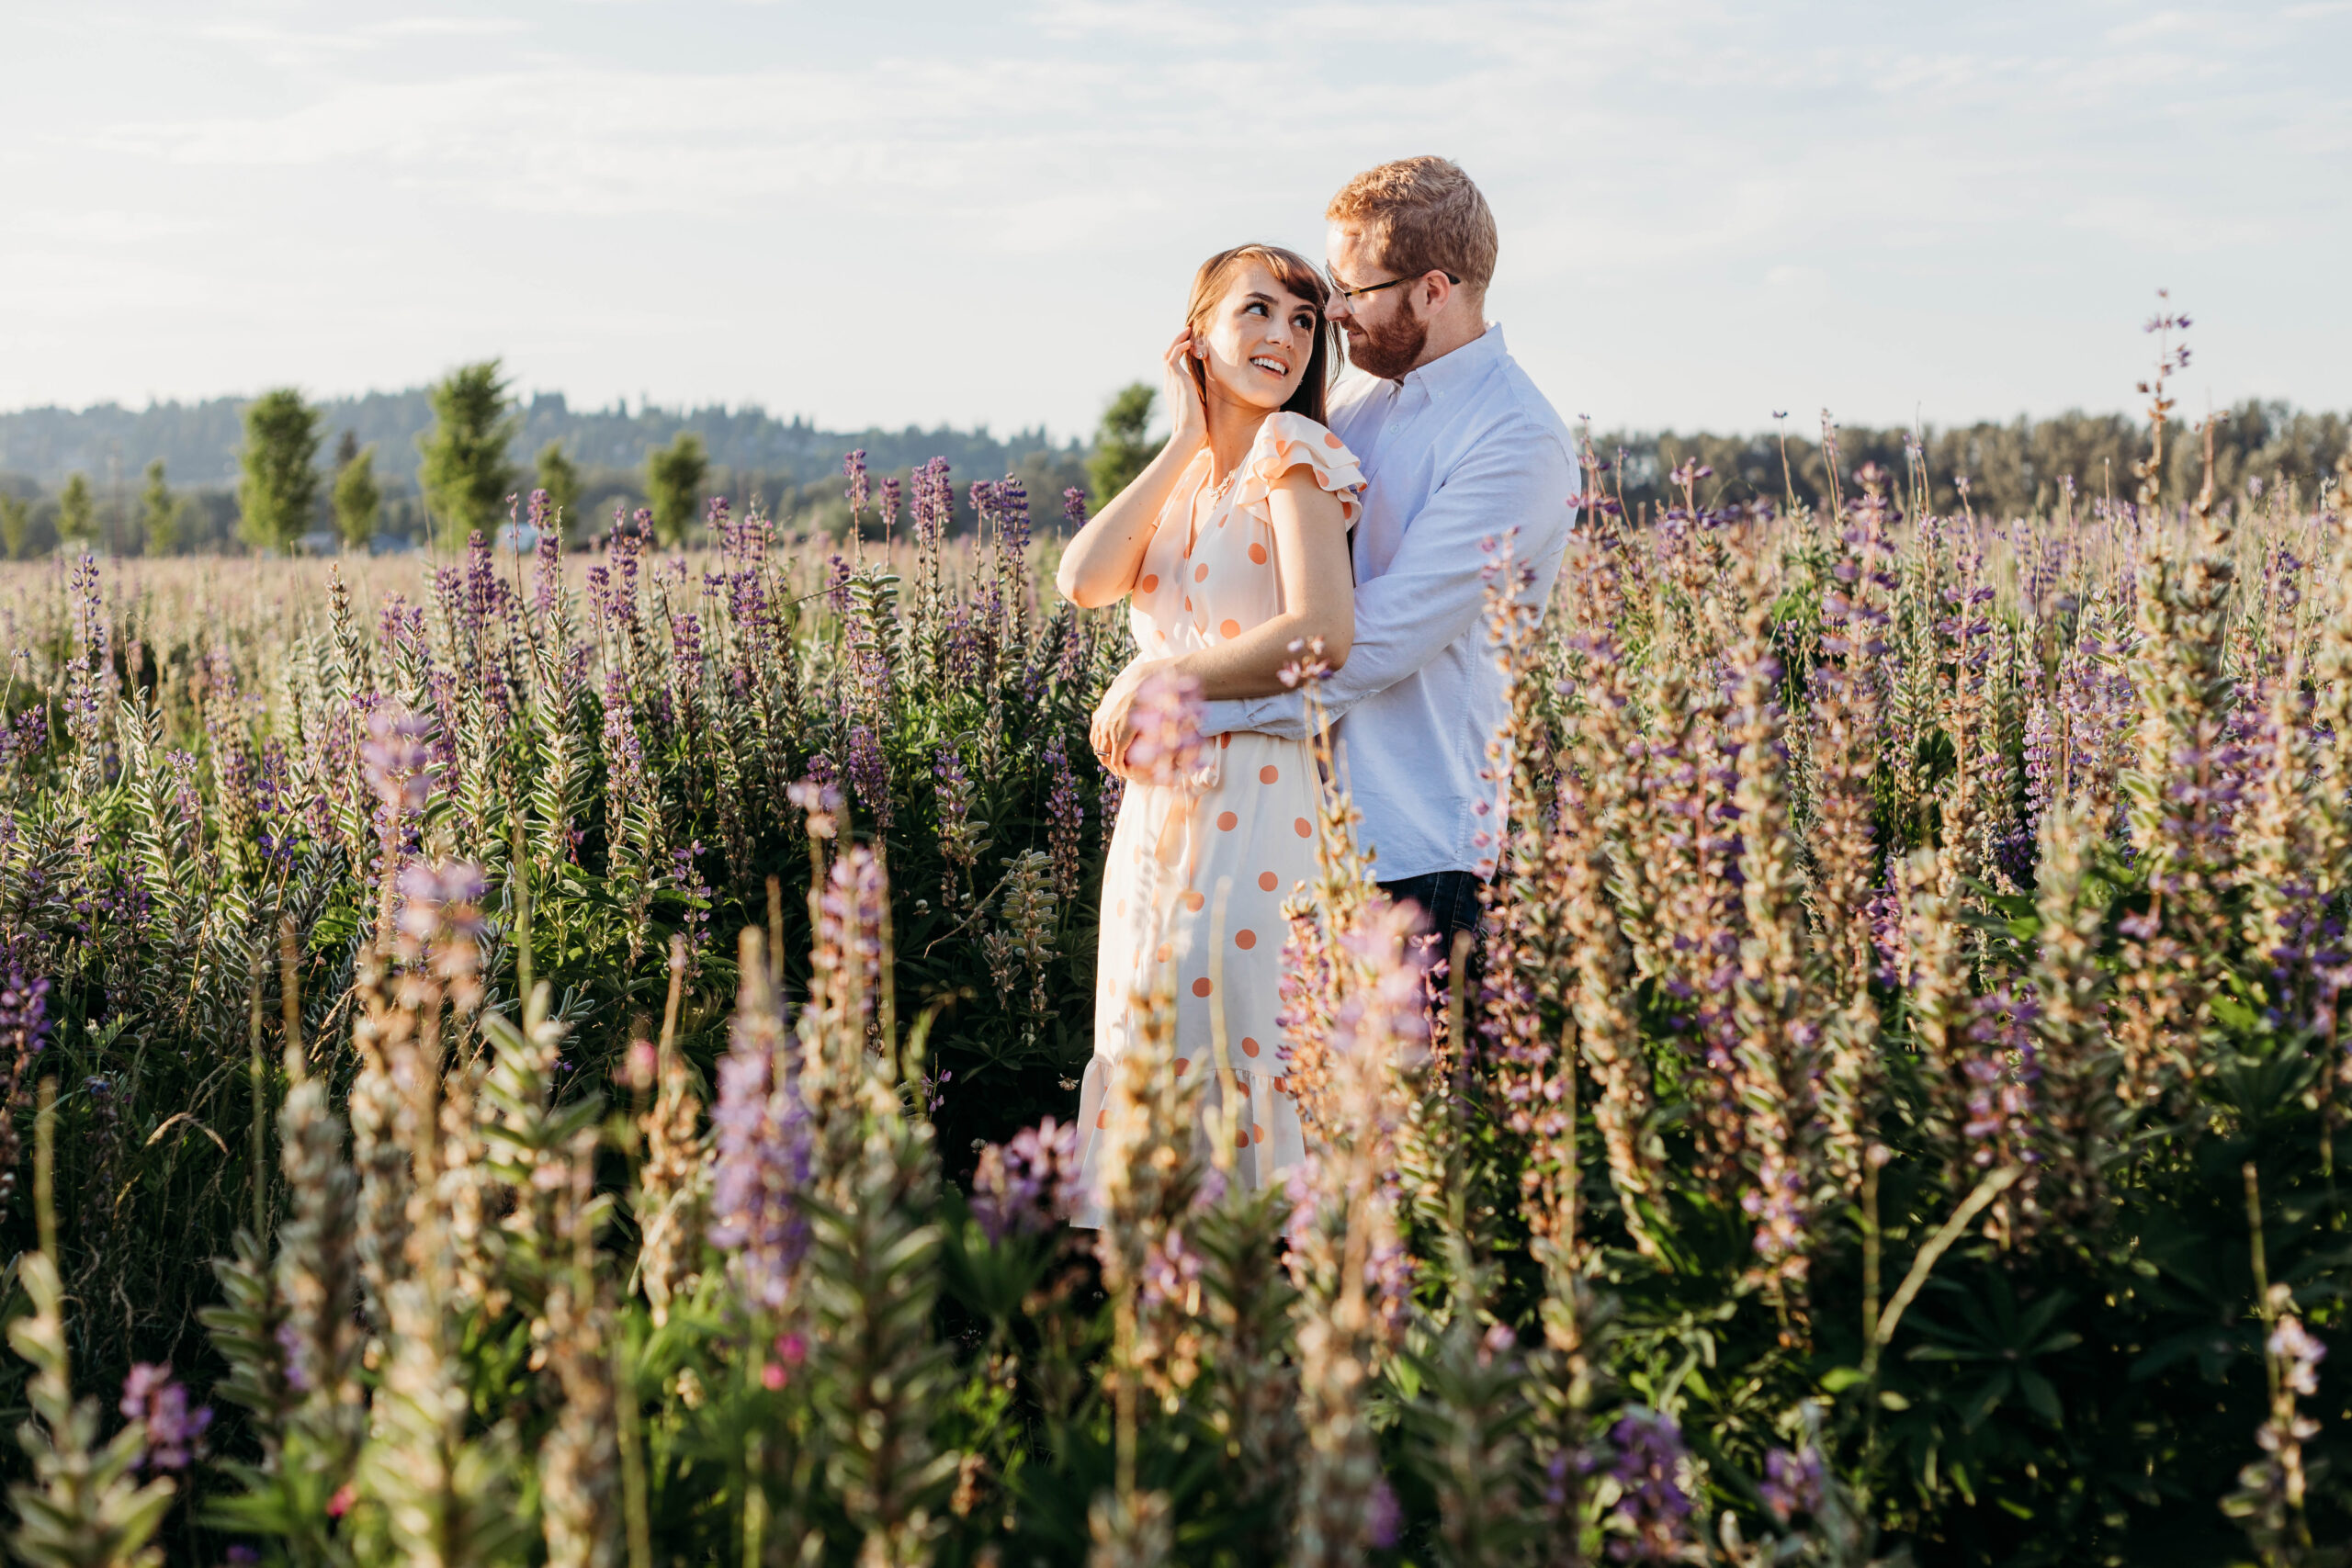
1214, 496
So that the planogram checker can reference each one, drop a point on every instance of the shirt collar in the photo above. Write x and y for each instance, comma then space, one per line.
1459, 371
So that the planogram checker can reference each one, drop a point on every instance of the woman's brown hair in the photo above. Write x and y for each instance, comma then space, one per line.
1293, 272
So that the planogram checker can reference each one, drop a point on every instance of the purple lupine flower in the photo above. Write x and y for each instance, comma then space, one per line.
686, 879
174, 1432
1012, 513
1022, 1188
547, 571
1388, 1275
624, 751
1171, 1274
24, 737
1383, 1518
1300, 1181
397, 757
1777, 1205
276, 813
449, 592
1065, 818
1074, 508
966, 645
1792, 1482
868, 772
854, 466
2299, 1355
889, 505
759, 1129
931, 507
399, 625
816, 795
441, 915
837, 576
294, 1349
1390, 1014
24, 1011
185, 799
685, 651
2001, 1078
747, 602
484, 595
1654, 1508
849, 923
83, 700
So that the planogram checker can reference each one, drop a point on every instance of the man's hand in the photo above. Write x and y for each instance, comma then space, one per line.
1114, 729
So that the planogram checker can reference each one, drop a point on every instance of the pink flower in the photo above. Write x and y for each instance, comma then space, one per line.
1166, 718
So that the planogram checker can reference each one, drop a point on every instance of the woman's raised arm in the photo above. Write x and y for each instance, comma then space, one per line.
1099, 566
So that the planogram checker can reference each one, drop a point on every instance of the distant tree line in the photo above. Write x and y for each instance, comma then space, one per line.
200, 442
2009, 470
458, 458
439, 463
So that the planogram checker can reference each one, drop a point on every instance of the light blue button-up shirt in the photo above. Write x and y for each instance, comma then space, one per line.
1455, 454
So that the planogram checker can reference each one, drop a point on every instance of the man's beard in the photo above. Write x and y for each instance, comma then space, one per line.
1388, 349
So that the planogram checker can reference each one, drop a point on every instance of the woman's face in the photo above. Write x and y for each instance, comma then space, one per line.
1256, 343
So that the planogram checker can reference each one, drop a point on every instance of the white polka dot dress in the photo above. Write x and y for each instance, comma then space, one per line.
1247, 836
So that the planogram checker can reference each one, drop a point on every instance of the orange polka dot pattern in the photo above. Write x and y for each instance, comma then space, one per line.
1194, 877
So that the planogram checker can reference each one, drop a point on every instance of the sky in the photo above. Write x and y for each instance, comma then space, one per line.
973, 212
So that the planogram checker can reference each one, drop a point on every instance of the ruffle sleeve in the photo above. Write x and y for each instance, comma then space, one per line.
1288, 441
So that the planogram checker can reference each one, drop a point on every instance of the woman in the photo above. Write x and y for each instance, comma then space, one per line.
1233, 548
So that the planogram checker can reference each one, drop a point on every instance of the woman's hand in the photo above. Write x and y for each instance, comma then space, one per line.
1113, 726
1188, 421
1100, 563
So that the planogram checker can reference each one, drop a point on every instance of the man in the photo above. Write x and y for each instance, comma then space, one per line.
1458, 447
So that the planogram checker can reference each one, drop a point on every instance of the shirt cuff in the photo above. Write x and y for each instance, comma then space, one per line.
1225, 715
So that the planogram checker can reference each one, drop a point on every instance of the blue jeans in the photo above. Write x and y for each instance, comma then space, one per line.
1449, 900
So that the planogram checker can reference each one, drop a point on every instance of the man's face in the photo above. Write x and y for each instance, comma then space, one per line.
1386, 335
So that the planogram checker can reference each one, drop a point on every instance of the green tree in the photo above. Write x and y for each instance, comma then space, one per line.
159, 515
359, 501
279, 490
77, 521
15, 522
674, 476
560, 476
1120, 450
465, 475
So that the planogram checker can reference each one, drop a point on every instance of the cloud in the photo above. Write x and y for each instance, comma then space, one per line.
656, 189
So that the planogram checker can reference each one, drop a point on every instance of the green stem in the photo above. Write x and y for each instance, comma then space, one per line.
1870, 1248
1991, 1187
45, 1168
632, 1445
259, 1137
2261, 1307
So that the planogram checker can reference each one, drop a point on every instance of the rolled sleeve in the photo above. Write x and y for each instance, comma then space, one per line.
1434, 590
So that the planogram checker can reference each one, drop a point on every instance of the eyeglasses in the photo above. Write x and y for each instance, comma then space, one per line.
1352, 295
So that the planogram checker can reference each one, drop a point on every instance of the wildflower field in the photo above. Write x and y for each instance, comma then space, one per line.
568, 1059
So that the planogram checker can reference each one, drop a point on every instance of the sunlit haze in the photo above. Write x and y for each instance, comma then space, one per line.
893, 214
